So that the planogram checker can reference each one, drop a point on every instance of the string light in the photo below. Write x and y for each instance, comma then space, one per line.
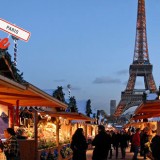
69, 90
15, 49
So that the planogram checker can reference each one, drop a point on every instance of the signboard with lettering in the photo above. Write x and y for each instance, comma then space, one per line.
14, 30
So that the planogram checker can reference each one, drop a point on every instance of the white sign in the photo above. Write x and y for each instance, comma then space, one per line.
14, 30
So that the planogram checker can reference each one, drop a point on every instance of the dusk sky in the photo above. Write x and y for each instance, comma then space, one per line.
88, 44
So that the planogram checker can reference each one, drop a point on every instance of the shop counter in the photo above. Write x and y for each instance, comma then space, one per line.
27, 149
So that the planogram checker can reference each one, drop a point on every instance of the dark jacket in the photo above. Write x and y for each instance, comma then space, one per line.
123, 140
102, 143
155, 147
116, 139
144, 139
79, 147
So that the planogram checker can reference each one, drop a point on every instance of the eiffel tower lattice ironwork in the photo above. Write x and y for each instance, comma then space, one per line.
140, 67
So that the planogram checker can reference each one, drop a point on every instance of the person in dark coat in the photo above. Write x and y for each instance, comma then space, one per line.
155, 147
144, 139
123, 143
79, 145
116, 140
141, 144
132, 146
102, 143
110, 151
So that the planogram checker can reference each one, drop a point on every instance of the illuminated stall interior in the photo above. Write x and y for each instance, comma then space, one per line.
58, 127
68, 123
143, 117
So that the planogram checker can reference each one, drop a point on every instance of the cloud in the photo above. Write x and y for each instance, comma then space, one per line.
122, 72
101, 80
59, 80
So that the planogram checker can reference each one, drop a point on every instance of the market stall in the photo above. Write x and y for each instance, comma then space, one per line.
146, 117
60, 126
148, 109
14, 95
152, 126
145, 113
50, 136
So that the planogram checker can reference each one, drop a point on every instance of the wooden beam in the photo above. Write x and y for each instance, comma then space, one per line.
5, 103
18, 95
146, 116
148, 111
11, 84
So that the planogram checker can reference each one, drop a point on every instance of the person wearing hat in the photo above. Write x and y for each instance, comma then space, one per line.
11, 146
102, 143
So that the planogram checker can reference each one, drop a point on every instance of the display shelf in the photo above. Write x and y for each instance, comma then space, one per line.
46, 150
65, 147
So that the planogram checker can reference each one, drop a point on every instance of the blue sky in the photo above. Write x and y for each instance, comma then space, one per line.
86, 43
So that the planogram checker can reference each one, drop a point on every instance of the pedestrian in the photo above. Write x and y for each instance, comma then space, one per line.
131, 137
11, 146
116, 140
144, 139
155, 147
123, 143
79, 145
142, 143
102, 143
110, 151
136, 143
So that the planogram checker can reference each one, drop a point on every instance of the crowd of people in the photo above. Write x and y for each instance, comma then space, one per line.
140, 142
104, 143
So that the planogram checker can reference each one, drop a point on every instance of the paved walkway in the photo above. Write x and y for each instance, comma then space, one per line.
128, 155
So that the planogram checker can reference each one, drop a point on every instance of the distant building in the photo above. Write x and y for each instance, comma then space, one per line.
112, 106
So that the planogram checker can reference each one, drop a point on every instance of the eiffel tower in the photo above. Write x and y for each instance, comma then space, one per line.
140, 67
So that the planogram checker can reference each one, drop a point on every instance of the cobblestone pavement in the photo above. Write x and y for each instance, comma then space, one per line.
128, 155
